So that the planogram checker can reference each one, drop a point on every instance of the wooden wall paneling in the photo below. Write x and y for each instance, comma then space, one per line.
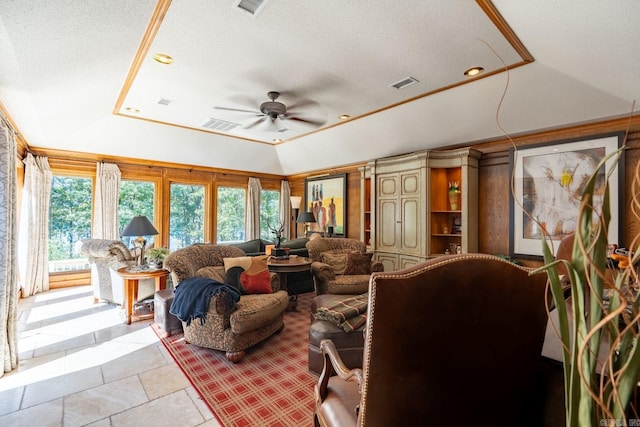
631, 171
353, 214
495, 184
493, 207
353, 205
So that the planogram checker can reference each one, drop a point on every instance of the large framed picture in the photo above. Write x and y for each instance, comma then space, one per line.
549, 180
326, 197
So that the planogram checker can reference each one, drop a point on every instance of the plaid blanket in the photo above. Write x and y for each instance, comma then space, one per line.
349, 314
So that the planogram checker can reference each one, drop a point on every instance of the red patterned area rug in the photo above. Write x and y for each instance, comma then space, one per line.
271, 386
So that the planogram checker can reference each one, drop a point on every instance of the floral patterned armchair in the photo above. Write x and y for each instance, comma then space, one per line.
341, 266
230, 327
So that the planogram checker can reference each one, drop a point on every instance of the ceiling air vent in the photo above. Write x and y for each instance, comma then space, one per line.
252, 6
220, 125
404, 83
164, 101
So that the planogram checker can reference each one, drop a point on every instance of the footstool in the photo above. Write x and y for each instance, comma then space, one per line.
350, 345
162, 303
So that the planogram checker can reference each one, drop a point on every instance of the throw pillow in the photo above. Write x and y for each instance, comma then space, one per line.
248, 274
335, 261
215, 273
358, 263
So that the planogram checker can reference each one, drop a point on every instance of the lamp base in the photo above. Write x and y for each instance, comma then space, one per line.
279, 253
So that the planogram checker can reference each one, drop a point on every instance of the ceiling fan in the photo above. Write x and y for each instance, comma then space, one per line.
274, 109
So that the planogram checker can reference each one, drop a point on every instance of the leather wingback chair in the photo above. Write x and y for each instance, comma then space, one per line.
331, 279
454, 340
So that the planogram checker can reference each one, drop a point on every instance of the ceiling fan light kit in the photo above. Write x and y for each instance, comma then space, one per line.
273, 108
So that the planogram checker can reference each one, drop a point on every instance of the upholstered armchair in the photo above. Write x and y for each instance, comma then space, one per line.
341, 266
454, 340
228, 327
106, 257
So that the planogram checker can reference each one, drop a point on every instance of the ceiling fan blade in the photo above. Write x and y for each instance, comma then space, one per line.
255, 123
238, 109
302, 103
314, 122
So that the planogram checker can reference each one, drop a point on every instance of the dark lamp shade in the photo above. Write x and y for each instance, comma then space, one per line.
306, 217
140, 226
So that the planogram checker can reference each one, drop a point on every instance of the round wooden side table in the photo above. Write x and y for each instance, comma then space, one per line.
131, 278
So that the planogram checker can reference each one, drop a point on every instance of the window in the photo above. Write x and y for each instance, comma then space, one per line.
186, 221
69, 221
232, 204
136, 198
269, 213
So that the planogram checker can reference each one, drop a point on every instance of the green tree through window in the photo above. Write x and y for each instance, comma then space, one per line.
136, 198
269, 213
186, 222
232, 204
69, 215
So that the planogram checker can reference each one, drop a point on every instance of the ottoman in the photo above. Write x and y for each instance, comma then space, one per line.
350, 345
162, 303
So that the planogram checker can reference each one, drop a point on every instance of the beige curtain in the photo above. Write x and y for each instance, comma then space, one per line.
105, 214
285, 208
252, 226
34, 226
8, 239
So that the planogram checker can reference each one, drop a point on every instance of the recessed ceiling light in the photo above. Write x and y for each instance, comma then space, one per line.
277, 140
163, 58
473, 71
344, 116
132, 110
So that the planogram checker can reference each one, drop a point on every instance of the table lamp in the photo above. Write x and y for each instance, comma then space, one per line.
295, 205
306, 218
140, 226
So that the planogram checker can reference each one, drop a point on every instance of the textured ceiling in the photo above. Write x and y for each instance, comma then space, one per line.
70, 69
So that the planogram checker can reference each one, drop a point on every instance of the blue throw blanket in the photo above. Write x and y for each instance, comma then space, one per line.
192, 296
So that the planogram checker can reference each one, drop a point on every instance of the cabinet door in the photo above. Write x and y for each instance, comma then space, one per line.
387, 213
410, 213
389, 261
405, 261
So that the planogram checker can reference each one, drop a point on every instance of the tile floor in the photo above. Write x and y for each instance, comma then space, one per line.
80, 365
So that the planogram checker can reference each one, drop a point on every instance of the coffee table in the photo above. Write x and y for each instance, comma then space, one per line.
282, 267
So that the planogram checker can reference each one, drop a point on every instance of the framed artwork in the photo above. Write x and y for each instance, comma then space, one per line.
549, 180
326, 197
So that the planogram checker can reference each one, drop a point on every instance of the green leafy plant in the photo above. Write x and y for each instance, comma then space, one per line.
603, 314
157, 255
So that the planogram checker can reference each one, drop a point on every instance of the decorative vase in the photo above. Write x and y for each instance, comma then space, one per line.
454, 199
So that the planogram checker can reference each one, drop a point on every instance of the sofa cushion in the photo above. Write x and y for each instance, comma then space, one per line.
336, 261
249, 274
255, 311
357, 263
250, 247
352, 284
295, 243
